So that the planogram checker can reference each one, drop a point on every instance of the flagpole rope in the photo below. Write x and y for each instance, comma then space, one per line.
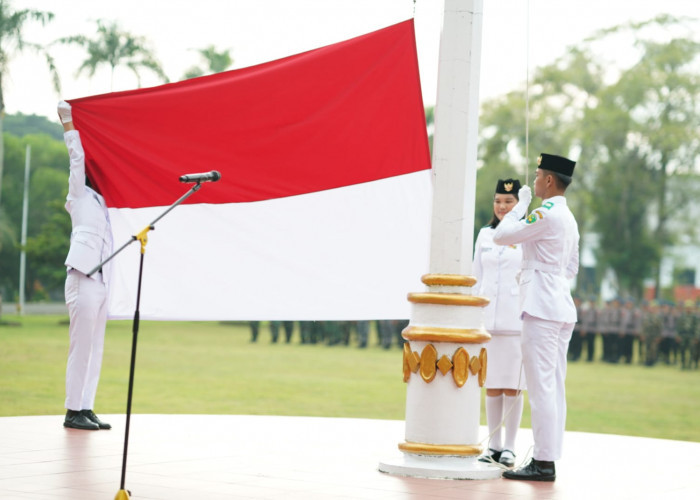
527, 94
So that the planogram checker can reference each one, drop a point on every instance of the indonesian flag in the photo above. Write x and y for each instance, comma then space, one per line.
322, 211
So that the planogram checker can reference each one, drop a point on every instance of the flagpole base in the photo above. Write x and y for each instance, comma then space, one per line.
432, 467
123, 495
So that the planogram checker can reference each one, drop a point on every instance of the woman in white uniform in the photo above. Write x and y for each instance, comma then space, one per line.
496, 268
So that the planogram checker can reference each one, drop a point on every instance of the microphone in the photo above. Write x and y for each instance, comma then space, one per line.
212, 176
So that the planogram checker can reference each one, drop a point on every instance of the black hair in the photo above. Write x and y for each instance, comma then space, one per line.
561, 180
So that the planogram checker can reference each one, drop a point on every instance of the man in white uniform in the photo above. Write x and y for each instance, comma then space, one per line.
86, 297
549, 238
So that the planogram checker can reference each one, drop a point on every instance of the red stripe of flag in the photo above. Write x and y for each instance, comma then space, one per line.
339, 115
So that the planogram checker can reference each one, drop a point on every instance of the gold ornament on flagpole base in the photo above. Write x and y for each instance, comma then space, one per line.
444, 367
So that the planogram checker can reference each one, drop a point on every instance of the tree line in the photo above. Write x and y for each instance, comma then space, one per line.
110, 46
634, 129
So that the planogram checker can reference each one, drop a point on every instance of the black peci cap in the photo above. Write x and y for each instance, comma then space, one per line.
557, 164
508, 186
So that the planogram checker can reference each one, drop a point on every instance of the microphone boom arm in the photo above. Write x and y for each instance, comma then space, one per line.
142, 236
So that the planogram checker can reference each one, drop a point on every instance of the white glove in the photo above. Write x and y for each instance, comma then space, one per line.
524, 199
65, 112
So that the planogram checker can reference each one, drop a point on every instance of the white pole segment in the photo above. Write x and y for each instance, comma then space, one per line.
445, 356
456, 137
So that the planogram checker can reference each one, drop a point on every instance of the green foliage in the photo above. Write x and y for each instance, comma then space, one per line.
46, 253
7, 236
502, 133
48, 186
653, 138
635, 132
12, 41
113, 47
626, 244
21, 125
214, 62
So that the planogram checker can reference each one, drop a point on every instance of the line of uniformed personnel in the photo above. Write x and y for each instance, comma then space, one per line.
334, 332
658, 331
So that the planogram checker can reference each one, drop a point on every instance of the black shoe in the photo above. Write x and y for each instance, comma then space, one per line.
491, 457
536, 470
76, 420
90, 415
507, 458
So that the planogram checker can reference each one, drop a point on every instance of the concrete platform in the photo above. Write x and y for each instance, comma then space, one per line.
216, 457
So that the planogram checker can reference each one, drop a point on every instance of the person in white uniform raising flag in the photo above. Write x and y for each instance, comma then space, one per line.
550, 238
86, 296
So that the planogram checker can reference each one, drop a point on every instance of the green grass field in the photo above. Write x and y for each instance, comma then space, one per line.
213, 368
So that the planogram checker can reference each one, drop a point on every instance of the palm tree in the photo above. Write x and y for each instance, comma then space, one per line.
113, 47
216, 62
12, 23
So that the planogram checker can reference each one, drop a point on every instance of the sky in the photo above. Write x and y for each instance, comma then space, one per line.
518, 36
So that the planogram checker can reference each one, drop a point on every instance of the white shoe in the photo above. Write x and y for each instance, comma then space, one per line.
65, 112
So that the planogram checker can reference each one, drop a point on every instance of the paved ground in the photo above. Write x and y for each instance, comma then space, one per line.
217, 457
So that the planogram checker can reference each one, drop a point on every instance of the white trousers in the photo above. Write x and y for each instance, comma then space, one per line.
545, 344
86, 299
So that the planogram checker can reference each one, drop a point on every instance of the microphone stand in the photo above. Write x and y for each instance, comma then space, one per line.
124, 494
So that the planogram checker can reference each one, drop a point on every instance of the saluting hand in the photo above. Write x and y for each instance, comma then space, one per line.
524, 199
525, 195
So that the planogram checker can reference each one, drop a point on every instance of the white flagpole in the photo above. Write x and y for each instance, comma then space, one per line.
445, 357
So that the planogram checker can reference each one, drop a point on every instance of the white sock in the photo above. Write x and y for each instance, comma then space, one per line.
514, 413
494, 416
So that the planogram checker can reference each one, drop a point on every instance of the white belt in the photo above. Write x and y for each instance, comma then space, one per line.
541, 266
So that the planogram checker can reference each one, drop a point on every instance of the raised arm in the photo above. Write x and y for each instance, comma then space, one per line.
76, 154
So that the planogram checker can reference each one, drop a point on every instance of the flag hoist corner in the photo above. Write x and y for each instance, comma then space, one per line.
323, 207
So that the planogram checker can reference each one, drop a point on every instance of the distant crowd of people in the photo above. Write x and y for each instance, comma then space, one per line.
658, 331
388, 332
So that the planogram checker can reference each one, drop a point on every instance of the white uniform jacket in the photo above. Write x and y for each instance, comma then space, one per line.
549, 238
495, 269
91, 236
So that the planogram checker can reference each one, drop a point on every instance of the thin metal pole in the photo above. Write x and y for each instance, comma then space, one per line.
182, 198
23, 238
135, 330
142, 236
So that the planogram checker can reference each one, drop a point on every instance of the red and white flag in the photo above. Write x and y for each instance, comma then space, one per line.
322, 211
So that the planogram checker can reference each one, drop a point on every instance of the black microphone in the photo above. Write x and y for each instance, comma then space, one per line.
212, 176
